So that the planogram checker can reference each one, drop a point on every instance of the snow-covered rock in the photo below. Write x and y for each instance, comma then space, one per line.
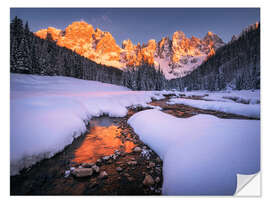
137, 149
103, 175
181, 55
176, 57
95, 168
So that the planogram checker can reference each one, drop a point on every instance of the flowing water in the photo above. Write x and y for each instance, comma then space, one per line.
102, 140
105, 135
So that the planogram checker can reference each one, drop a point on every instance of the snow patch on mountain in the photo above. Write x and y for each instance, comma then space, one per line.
176, 57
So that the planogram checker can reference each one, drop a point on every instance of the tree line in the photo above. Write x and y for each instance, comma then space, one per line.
235, 65
144, 77
31, 55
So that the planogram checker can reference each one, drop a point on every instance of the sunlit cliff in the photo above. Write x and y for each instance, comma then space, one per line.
176, 57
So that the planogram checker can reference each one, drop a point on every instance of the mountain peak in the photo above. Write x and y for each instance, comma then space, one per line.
176, 57
209, 33
43, 33
127, 44
151, 42
164, 41
179, 35
80, 23
213, 39
98, 30
79, 26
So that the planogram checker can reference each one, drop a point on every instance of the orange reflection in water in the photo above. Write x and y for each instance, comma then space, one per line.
101, 141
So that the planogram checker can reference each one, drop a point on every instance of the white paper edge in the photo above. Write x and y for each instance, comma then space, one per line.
248, 185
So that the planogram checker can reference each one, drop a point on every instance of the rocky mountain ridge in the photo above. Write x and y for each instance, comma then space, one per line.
176, 57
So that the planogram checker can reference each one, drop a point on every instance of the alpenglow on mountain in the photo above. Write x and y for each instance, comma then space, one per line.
176, 57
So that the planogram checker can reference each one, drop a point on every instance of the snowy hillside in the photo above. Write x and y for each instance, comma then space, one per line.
48, 112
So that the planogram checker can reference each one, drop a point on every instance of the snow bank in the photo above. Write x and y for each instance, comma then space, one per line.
202, 154
227, 107
48, 112
240, 96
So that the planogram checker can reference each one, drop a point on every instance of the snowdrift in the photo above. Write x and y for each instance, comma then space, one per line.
240, 96
250, 110
202, 154
47, 113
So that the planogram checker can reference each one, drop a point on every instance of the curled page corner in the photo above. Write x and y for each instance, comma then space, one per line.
248, 185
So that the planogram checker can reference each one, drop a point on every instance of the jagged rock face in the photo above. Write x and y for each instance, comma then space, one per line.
148, 52
51, 30
180, 46
128, 45
81, 37
181, 55
130, 53
164, 47
213, 40
136, 55
176, 57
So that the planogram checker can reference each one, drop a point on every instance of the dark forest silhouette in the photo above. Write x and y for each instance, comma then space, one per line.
235, 65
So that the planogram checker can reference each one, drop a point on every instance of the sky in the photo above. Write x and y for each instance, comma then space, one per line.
142, 24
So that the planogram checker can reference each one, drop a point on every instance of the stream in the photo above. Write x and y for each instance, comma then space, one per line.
106, 136
109, 143
103, 139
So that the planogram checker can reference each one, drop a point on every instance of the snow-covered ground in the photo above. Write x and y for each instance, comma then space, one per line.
202, 154
245, 103
46, 113
240, 96
227, 107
